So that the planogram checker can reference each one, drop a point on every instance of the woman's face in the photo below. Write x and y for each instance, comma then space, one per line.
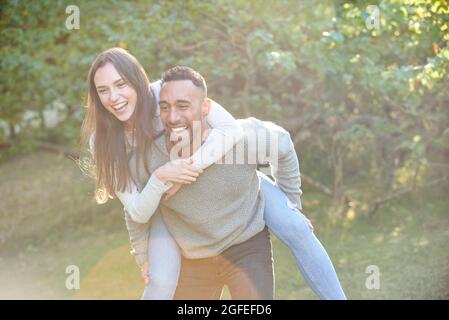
117, 96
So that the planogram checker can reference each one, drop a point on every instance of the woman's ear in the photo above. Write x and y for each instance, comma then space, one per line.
205, 108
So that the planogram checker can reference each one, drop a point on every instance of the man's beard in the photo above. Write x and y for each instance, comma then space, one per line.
184, 143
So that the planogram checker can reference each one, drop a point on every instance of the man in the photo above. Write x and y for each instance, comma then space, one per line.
218, 220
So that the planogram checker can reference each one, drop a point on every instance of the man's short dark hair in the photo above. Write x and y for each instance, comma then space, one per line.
185, 73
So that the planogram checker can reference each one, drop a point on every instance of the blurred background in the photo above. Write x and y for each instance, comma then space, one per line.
362, 87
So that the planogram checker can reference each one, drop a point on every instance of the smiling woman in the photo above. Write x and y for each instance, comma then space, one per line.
115, 94
122, 121
120, 108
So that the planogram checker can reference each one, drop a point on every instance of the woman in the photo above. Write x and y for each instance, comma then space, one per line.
123, 118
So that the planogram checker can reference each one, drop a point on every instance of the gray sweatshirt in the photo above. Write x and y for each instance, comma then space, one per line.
224, 206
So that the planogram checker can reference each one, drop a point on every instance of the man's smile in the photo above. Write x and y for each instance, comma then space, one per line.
178, 129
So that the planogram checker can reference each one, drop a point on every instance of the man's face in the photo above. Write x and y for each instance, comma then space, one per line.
182, 103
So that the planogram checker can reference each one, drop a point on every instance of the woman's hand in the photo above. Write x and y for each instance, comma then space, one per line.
144, 272
178, 171
309, 222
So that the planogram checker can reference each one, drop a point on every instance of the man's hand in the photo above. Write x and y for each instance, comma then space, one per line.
144, 272
170, 192
309, 223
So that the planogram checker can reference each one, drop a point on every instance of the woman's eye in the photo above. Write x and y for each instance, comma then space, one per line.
121, 84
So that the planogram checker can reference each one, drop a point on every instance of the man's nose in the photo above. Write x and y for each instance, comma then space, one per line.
173, 116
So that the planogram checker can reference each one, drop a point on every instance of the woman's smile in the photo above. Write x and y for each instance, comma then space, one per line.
120, 107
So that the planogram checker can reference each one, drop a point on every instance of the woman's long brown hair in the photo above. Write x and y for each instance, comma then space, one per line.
111, 162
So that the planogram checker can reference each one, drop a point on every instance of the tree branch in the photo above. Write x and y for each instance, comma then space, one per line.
398, 193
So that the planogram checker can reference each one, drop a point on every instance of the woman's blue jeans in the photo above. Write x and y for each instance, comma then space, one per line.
289, 226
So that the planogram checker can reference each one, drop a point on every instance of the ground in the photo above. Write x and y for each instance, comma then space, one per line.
49, 221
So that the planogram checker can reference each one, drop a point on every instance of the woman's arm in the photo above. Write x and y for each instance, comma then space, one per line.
142, 205
225, 133
139, 206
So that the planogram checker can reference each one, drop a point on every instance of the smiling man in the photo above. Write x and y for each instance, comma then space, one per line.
217, 221
184, 106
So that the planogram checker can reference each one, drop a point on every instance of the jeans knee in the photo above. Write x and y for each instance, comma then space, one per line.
298, 230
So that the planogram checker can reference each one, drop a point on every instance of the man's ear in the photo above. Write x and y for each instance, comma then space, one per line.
205, 108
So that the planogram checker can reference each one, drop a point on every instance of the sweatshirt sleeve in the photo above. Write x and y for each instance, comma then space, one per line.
142, 205
138, 237
278, 151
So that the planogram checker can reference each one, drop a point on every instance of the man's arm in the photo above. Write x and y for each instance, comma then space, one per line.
138, 237
279, 152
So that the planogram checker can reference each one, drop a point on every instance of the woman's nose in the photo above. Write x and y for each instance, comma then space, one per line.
113, 96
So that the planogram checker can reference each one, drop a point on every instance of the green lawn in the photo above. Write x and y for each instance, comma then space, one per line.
48, 221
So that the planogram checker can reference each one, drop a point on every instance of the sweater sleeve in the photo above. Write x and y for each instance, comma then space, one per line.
138, 237
278, 151
142, 205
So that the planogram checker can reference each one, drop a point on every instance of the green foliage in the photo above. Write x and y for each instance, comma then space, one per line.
370, 93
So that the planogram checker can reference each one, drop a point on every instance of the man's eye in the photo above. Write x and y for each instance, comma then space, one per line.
183, 106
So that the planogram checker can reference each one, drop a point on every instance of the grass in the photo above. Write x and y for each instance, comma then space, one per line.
49, 221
